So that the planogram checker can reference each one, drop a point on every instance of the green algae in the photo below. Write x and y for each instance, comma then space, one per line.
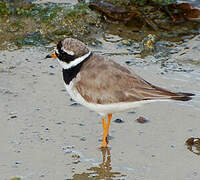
40, 24
23, 23
142, 2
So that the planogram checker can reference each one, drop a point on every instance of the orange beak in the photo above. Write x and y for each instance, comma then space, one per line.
52, 55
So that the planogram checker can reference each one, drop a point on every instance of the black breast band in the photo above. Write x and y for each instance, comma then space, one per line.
69, 74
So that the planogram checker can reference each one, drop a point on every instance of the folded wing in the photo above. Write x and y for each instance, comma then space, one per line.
103, 81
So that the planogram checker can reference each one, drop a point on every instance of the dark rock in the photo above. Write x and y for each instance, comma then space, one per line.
142, 120
118, 121
51, 66
128, 62
75, 104
13, 117
83, 139
51, 73
28, 60
80, 124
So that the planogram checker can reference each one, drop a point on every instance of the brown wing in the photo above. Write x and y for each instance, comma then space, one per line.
103, 81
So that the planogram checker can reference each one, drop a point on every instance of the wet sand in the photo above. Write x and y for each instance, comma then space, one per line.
44, 135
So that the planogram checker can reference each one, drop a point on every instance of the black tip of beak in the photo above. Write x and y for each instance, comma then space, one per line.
48, 56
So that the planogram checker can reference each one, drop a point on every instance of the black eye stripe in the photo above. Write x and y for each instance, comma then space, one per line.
59, 46
62, 55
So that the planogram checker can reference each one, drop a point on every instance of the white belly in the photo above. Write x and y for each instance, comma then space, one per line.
104, 109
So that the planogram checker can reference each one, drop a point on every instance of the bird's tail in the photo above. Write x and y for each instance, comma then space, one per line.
182, 96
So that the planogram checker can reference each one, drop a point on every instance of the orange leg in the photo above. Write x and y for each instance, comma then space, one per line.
106, 127
108, 124
104, 142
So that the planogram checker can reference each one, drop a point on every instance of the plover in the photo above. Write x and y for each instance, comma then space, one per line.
103, 85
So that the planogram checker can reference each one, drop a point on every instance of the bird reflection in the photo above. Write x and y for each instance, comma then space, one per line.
104, 170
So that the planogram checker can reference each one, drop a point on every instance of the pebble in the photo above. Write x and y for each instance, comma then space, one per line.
126, 42
17, 163
128, 62
28, 60
51, 66
13, 117
142, 120
60, 122
118, 121
83, 139
51, 73
75, 156
131, 112
75, 104
172, 146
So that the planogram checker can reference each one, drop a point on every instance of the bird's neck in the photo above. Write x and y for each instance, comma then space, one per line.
70, 73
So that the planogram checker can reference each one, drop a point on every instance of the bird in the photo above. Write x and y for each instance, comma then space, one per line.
105, 86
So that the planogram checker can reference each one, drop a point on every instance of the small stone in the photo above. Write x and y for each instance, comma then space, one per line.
190, 142
76, 162
118, 121
126, 42
37, 109
51, 73
59, 123
12, 67
109, 137
193, 141
142, 120
27, 60
128, 62
75, 104
172, 146
51, 66
83, 139
13, 117
80, 124
17, 163
68, 149
131, 112
75, 156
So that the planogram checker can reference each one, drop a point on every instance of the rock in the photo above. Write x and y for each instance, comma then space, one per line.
75, 104
13, 117
126, 42
83, 139
142, 120
118, 121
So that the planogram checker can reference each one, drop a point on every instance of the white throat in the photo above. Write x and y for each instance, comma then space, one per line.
73, 63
